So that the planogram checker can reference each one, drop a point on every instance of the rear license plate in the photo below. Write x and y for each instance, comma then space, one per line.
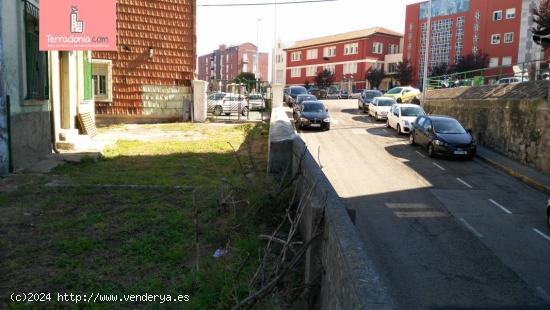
461, 152
315, 125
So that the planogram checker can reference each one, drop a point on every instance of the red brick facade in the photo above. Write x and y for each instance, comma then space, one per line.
470, 30
300, 68
156, 47
226, 63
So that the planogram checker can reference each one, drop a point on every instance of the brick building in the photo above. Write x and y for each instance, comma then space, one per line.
226, 63
499, 28
149, 77
348, 55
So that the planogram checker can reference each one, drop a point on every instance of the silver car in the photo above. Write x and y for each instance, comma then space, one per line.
256, 102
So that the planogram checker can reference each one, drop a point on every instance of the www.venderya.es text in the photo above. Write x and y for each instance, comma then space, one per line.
97, 298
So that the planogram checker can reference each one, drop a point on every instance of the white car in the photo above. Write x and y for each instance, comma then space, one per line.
225, 103
403, 116
380, 107
256, 102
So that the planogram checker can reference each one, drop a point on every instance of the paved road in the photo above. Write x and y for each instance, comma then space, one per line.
444, 233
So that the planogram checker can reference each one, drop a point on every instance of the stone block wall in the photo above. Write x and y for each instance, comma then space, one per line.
512, 119
338, 257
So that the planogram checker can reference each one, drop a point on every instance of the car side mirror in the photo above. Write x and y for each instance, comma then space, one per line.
430, 129
326, 110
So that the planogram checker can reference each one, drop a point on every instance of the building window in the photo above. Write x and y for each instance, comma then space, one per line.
511, 13
330, 68
497, 15
350, 68
509, 37
100, 85
493, 62
296, 56
329, 51
392, 68
495, 39
36, 61
506, 61
393, 49
295, 72
101, 79
377, 47
351, 48
376, 66
311, 71
311, 54
459, 43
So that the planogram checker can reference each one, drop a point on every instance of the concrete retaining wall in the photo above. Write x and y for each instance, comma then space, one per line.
31, 138
348, 277
512, 119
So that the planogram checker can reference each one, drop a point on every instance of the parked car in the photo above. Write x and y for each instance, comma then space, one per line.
256, 102
404, 94
443, 135
402, 117
313, 114
319, 93
511, 80
224, 103
380, 107
294, 91
341, 94
548, 213
300, 99
366, 98
286, 94
356, 94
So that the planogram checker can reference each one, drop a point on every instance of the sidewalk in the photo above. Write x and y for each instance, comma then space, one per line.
526, 174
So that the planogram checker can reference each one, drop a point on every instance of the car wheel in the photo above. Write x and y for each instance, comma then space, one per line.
548, 219
416, 101
376, 115
398, 100
399, 129
218, 110
244, 111
387, 123
411, 139
227, 114
431, 152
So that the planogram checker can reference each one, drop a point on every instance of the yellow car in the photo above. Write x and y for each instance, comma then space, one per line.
404, 94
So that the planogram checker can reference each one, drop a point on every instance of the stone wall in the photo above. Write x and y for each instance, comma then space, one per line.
512, 119
30, 138
339, 257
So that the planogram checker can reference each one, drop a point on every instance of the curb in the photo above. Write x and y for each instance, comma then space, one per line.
525, 179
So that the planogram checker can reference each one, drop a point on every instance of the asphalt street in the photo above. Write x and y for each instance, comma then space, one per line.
443, 233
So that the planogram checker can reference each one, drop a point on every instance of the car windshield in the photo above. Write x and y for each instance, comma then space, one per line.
255, 97
314, 107
448, 126
372, 94
385, 102
298, 91
306, 97
411, 111
396, 90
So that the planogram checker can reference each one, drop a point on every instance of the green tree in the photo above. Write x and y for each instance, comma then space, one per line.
247, 78
375, 77
440, 69
307, 84
404, 73
324, 79
471, 62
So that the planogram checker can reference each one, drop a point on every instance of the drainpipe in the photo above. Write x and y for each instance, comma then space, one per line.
8, 117
52, 114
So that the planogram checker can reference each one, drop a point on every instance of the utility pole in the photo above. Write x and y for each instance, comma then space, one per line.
258, 54
426, 54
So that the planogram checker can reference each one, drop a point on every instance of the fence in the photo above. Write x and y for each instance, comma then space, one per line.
239, 102
520, 72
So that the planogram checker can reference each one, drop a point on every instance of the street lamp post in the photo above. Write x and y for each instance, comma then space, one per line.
257, 73
426, 53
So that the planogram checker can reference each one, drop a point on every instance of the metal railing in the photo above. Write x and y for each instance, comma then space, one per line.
519, 72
